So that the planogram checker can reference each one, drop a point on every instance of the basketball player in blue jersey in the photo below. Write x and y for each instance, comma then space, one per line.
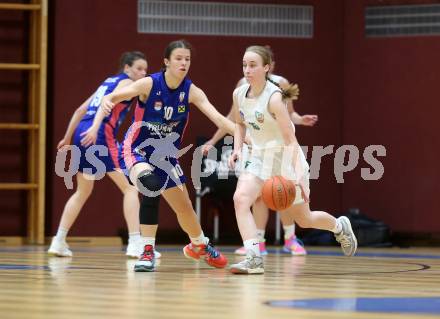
133, 67
162, 115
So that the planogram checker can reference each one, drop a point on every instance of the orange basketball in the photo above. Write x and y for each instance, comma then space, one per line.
278, 193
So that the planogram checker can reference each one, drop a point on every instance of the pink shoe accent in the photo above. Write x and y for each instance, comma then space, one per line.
263, 250
294, 246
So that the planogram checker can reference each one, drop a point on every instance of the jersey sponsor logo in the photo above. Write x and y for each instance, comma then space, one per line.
181, 96
259, 116
161, 129
158, 105
254, 126
181, 109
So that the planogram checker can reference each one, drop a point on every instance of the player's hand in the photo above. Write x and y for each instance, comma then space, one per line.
304, 191
107, 105
235, 156
309, 120
63, 143
206, 147
89, 136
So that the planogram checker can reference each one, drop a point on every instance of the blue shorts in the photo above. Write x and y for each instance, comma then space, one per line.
103, 156
167, 169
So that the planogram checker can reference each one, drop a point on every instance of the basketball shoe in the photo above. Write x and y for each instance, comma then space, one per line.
59, 248
251, 265
346, 237
147, 261
211, 255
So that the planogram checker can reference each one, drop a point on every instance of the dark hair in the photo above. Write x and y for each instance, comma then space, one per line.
129, 58
266, 55
178, 44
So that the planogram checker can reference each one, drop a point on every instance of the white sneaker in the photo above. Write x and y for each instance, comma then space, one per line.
346, 237
133, 249
251, 265
59, 248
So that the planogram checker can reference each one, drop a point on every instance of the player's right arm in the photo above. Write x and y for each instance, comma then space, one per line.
123, 92
239, 133
76, 118
141, 88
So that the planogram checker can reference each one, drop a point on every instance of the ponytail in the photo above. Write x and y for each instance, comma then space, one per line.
291, 93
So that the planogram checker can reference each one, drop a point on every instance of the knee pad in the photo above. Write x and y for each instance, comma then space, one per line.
148, 184
149, 210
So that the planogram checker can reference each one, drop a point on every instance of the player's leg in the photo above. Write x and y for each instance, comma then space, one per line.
131, 213
261, 216
341, 226
247, 191
292, 245
71, 211
178, 199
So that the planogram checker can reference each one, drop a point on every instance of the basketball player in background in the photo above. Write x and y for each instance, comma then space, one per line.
133, 66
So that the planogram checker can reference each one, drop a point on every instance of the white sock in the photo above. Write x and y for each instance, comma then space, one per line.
289, 231
61, 234
260, 235
200, 240
338, 227
134, 236
252, 245
148, 241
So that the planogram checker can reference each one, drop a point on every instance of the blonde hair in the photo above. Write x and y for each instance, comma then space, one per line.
266, 54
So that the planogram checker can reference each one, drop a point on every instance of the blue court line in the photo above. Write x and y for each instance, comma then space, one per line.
374, 254
38, 267
404, 305
232, 249
22, 267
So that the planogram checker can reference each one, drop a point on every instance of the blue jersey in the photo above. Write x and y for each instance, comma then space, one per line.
105, 88
165, 111
107, 131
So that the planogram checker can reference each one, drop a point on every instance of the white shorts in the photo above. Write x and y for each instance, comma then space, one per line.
264, 167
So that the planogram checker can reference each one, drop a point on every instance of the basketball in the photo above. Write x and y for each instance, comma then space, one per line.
278, 193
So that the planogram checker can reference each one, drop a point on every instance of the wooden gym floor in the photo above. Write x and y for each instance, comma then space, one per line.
100, 283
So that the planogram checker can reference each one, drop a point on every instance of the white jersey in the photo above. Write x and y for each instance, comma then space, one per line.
263, 129
266, 158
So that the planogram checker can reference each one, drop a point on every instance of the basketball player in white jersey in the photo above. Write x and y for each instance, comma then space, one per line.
259, 107
260, 211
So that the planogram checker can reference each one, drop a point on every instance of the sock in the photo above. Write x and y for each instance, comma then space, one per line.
252, 245
200, 240
338, 227
260, 235
61, 234
148, 241
289, 231
134, 236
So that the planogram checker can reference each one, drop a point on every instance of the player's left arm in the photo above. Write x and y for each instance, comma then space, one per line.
200, 100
